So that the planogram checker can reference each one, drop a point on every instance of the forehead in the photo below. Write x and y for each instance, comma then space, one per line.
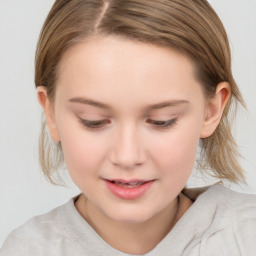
113, 50
111, 66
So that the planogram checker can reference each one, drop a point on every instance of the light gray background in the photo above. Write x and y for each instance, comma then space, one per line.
23, 190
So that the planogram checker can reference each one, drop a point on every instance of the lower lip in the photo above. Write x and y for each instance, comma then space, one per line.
128, 193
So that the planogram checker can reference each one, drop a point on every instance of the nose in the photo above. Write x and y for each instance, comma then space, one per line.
128, 149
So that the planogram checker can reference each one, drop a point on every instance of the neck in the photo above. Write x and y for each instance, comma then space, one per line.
133, 238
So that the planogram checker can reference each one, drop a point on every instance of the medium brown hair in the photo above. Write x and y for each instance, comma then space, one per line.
190, 27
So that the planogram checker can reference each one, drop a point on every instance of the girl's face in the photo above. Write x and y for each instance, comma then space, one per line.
129, 117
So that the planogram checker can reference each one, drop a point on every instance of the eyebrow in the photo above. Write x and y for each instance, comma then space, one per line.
101, 105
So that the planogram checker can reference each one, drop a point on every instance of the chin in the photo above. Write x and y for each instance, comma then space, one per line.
131, 215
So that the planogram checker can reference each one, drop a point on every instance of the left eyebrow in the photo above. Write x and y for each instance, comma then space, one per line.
172, 103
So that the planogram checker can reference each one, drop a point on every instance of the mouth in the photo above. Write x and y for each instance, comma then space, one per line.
128, 189
128, 184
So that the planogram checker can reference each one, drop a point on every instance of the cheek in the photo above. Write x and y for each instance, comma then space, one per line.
176, 153
83, 153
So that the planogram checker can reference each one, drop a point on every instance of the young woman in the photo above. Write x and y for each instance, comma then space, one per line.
131, 90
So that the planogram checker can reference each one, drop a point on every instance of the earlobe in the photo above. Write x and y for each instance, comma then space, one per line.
214, 109
48, 111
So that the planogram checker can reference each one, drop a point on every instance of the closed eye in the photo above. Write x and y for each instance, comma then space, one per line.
163, 124
94, 125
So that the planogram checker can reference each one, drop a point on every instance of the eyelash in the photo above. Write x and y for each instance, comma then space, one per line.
99, 125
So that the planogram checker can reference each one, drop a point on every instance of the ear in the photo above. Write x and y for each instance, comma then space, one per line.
48, 111
214, 109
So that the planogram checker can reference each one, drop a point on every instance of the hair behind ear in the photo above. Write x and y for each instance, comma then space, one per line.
218, 160
50, 156
219, 155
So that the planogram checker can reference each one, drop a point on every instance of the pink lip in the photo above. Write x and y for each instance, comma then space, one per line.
128, 193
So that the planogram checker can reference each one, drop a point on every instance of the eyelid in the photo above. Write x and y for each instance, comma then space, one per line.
96, 125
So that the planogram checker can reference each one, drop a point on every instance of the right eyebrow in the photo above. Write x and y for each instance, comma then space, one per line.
90, 102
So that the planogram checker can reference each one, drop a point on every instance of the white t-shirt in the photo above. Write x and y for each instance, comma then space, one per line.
220, 222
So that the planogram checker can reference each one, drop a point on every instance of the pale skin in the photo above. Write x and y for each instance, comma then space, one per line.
127, 78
